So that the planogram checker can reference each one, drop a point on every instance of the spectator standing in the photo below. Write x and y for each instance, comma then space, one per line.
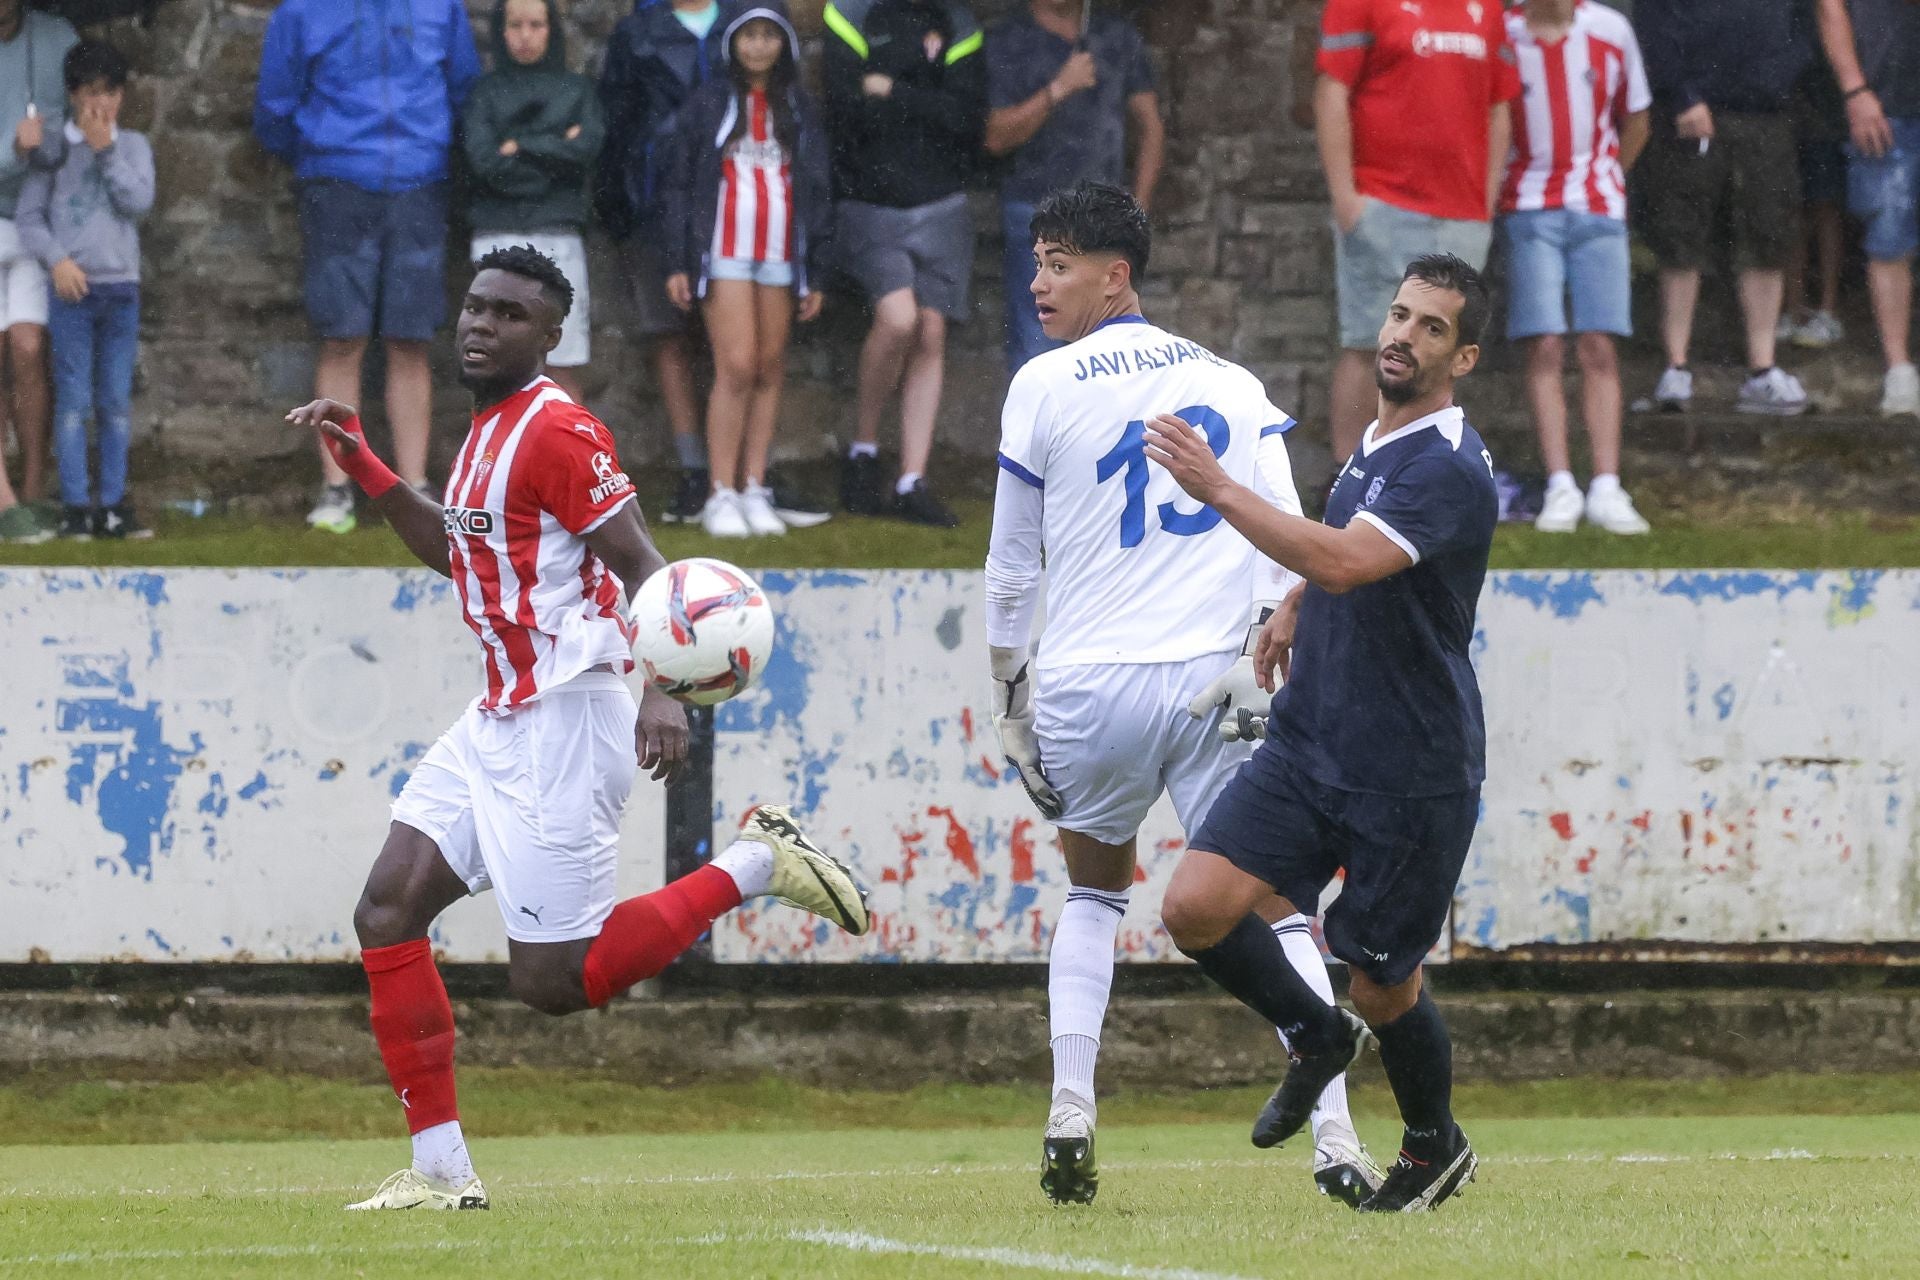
906, 99
1582, 122
361, 100
1819, 135
658, 55
1063, 85
82, 221
531, 131
748, 218
1411, 106
1874, 46
32, 112
1722, 73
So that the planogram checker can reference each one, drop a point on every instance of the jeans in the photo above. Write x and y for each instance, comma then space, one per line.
1884, 193
1557, 256
94, 342
1025, 338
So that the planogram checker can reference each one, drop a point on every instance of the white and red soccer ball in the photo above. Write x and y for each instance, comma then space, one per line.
703, 630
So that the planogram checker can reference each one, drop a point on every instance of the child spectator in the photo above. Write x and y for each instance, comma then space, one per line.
82, 221
1580, 125
532, 130
657, 56
747, 214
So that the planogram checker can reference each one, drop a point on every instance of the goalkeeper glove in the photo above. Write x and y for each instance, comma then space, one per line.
1013, 720
1238, 689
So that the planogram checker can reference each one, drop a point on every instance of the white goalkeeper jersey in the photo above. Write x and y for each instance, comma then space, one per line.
1136, 570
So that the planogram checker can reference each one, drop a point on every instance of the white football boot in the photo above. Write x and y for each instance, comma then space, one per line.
804, 875
1069, 1174
410, 1189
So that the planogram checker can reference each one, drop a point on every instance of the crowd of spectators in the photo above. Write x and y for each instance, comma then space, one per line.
736, 198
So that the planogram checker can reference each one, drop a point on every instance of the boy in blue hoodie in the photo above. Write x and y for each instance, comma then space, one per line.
82, 221
531, 131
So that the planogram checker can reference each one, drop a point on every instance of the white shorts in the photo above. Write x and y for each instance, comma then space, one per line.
570, 255
1113, 736
528, 804
23, 281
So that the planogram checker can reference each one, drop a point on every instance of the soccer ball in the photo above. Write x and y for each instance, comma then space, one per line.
703, 630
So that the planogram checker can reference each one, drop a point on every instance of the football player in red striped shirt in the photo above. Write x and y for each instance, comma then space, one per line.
544, 540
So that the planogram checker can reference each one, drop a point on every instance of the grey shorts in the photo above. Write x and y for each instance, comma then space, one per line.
654, 314
928, 248
1371, 260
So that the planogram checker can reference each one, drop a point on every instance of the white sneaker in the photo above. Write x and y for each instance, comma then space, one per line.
1900, 394
334, 512
1613, 511
1775, 393
1674, 394
722, 516
410, 1189
756, 505
1786, 330
1342, 1169
1561, 511
1821, 329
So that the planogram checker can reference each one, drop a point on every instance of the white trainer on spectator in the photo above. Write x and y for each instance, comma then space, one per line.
756, 506
334, 512
1613, 510
1562, 509
722, 517
1821, 329
1900, 394
1775, 392
1674, 394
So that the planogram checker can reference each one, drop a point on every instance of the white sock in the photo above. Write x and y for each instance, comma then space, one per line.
1603, 484
1296, 939
440, 1153
907, 481
750, 863
1561, 480
861, 449
1079, 978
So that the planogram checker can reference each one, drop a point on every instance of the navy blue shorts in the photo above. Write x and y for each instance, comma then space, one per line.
375, 261
1402, 857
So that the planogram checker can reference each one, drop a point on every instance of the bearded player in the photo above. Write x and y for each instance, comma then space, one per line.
1147, 635
544, 540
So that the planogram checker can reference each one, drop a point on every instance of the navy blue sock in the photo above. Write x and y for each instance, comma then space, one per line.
1252, 967
1418, 1056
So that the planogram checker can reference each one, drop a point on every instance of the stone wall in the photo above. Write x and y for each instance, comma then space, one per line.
1242, 260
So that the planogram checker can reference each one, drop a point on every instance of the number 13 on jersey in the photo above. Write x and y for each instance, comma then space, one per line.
1128, 459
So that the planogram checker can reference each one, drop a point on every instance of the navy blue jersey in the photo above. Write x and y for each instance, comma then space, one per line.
1383, 697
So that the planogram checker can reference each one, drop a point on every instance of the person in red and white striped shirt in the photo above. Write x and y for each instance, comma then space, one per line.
543, 538
1581, 123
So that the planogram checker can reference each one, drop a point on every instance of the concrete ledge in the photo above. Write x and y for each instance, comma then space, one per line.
888, 1043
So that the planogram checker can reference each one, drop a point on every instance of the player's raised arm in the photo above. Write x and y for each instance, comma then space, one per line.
418, 520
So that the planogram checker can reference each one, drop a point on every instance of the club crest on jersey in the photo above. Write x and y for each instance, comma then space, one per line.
612, 479
1373, 490
483, 466
683, 613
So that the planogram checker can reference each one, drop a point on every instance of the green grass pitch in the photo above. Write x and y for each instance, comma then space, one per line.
777, 1181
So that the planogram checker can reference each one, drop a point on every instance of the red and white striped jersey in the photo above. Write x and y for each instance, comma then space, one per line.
536, 475
754, 220
1575, 92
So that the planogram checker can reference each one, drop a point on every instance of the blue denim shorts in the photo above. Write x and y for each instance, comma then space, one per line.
775, 275
1559, 255
1884, 193
1371, 260
375, 261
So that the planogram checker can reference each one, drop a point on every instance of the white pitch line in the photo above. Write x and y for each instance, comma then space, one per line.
1058, 1263
96, 1257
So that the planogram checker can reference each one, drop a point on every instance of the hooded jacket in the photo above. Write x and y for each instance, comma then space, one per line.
690, 196
653, 66
916, 145
543, 185
365, 91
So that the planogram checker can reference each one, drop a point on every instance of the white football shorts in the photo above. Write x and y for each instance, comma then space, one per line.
528, 804
23, 281
1114, 736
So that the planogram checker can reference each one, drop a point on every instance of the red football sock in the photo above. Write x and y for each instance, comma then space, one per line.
413, 1024
644, 934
